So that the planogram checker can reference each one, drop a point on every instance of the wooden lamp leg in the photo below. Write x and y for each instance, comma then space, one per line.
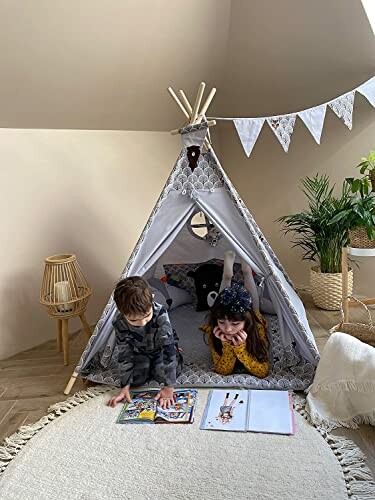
85, 324
59, 335
65, 339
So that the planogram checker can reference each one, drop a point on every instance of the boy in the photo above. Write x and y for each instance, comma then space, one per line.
147, 343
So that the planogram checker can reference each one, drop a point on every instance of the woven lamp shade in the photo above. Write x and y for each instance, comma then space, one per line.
65, 291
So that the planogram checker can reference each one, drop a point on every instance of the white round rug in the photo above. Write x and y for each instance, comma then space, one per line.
84, 454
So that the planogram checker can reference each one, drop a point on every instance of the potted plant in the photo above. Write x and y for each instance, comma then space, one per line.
361, 215
368, 165
322, 240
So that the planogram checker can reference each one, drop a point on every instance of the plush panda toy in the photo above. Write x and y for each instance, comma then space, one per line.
207, 279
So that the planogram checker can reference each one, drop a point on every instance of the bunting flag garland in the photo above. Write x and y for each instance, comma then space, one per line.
343, 108
282, 126
368, 90
313, 118
248, 131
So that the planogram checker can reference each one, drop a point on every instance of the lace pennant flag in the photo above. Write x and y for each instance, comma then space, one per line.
313, 118
368, 90
248, 130
343, 108
282, 127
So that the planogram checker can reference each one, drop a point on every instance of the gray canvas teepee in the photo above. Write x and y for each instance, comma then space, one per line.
167, 238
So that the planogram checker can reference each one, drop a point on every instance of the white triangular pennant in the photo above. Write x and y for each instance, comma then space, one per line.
282, 127
368, 90
248, 130
313, 118
343, 108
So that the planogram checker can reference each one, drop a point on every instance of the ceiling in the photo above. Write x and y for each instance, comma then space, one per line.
90, 64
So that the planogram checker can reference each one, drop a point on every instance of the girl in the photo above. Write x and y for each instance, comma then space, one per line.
236, 330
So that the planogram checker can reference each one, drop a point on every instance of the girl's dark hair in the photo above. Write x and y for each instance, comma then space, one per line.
254, 344
133, 296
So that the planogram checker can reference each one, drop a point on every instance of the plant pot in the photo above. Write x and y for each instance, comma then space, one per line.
326, 288
359, 239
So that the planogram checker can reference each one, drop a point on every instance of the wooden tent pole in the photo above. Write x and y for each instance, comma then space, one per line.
187, 104
178, 102
197, 103
210, 123
206, 104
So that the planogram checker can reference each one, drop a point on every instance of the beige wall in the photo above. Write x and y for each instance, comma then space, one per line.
85, 192
105, 65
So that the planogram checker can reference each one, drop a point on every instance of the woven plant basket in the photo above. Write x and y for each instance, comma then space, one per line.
326, 288
359, 239
365, 332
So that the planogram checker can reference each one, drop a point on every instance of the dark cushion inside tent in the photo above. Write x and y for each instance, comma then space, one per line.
187, 282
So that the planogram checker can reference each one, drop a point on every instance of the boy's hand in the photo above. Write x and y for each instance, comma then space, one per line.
239, 338
123, 394
165, 397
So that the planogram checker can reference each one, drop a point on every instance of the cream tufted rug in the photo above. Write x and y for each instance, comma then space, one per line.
84, 454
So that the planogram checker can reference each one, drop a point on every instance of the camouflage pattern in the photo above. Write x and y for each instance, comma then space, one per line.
149, 352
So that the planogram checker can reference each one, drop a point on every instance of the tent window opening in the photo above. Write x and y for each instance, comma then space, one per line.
201, 228
200, 225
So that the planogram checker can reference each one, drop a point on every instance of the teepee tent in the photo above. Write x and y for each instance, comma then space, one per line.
198, 184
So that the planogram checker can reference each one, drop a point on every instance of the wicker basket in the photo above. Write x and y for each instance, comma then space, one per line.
326, 288
359, 239
365, 332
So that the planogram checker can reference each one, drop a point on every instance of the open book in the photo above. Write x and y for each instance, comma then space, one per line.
145, 410
252, 410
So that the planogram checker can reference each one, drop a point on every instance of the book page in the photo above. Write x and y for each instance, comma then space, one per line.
226, 410
141, 410
269, 411
179, 411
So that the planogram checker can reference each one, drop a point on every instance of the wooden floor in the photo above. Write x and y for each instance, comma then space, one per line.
33, 380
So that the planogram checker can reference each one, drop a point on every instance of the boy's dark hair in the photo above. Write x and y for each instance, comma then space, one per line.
133, 296
254, 344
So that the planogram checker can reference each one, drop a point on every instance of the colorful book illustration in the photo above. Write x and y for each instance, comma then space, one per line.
249, 410
145, 410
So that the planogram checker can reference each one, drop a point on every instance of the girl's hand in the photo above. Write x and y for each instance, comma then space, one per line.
239, 338
123, 394
219, 334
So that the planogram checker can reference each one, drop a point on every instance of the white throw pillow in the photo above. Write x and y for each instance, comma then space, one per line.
178, 296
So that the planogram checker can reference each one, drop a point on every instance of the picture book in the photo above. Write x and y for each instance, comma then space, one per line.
145, 410
249, 410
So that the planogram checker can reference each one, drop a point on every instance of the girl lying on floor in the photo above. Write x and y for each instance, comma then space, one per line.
236, 330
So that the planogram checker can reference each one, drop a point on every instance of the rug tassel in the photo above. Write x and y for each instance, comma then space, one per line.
358, 477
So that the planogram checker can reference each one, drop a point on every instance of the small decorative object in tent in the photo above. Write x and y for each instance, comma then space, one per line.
198, 183
65, 292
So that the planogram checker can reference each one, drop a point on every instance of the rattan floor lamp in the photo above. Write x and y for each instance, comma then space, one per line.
65, 292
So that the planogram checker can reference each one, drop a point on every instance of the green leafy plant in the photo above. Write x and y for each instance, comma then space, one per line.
320, 238
367, 164
361, 213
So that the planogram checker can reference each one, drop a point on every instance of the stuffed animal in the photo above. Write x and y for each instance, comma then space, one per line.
207, 278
